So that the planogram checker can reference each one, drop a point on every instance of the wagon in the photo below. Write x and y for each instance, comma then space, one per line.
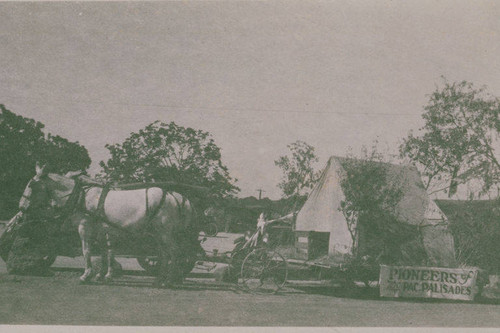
259, 264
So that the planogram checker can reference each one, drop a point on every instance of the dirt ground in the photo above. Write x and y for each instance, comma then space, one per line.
131, 300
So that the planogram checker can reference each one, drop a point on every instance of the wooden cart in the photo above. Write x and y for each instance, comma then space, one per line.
259, 267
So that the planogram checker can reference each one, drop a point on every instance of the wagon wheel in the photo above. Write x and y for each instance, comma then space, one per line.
236, 261
264, 271
152, 245
151, 264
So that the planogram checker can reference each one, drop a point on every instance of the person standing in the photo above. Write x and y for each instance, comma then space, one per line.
261, 223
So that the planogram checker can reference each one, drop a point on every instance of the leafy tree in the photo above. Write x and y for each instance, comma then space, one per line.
371, 195
169, 152
456, 144
298, 172
22, 143
63, 155
476, 231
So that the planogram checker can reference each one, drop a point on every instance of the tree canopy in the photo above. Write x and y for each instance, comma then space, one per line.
371, 197
299, 175
23, 143
456, 144
476, 231
169, 152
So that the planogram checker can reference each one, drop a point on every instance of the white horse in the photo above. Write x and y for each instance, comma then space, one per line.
168, 216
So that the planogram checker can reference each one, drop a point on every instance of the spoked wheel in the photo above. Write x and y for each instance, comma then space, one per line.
152, 245
264, 271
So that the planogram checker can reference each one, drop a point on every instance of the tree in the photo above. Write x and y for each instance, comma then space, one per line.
371, 196
298, 172
169, 152
22, 143
63, 155
456, 144
476, 231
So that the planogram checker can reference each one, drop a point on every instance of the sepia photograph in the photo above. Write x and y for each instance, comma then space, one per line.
250, 164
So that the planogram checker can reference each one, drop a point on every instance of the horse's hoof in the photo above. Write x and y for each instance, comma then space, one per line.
84, 280
108, 279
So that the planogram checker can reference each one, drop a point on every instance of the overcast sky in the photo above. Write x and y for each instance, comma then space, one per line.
257, 75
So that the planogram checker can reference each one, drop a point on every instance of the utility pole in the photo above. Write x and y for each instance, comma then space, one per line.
260, 192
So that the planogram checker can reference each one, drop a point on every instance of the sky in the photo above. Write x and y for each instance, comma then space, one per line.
256, 75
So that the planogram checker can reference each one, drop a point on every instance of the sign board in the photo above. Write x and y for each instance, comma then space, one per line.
428, 282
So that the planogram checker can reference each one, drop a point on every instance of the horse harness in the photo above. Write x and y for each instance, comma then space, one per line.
100, 212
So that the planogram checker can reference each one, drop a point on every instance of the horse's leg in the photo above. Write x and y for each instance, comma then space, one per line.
167, 254
104, 259
163, 258
85, 231
103, 267
110, 257
170, 226
171, 271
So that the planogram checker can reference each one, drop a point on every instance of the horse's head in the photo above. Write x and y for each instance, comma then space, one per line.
32, 191
46, 189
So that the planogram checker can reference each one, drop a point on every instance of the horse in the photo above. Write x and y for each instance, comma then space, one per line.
92, 207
